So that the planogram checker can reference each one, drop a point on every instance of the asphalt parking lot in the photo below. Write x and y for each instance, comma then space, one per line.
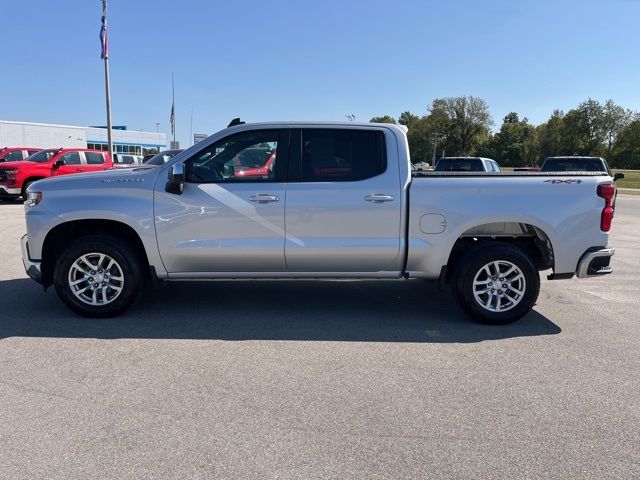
357, 380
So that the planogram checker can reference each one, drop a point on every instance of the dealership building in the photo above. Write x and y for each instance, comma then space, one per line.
45, 135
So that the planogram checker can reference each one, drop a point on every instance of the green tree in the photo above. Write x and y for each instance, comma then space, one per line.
615, 120
549, 134
626, 149
383, 119
464, 120
584, 129
408, 119
514, 145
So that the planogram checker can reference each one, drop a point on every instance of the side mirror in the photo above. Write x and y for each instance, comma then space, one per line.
58, 163
618, 176
176, 179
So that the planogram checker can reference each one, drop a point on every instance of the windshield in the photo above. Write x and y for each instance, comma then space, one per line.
573, 165
162, 157
459, 165
42, 156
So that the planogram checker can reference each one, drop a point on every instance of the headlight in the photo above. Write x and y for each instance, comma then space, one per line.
10, 171
33, 199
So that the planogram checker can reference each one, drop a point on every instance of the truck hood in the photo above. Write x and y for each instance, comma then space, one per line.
102, 179
17, 164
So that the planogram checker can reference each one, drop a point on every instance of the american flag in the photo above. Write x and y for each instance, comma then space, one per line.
172, 118
104, 41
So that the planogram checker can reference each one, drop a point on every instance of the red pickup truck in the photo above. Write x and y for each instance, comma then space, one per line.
15, 177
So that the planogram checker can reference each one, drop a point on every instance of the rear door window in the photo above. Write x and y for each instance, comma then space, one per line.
94, 158
342, 155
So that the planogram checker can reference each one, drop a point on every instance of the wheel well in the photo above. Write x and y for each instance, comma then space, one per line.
30, 179
61, 235
528, 238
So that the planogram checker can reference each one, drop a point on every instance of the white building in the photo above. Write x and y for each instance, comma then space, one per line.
44, 135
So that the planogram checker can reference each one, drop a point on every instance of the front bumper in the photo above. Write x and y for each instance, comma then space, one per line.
32, 267
9, 192
595, 263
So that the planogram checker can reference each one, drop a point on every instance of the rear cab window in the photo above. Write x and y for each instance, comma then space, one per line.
573, 165
459, 165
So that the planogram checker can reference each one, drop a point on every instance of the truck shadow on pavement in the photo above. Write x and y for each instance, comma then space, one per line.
349, 311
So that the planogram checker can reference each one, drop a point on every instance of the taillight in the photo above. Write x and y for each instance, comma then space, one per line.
608, 192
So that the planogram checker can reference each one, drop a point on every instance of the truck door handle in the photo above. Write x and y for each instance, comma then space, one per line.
379, 198
264, 198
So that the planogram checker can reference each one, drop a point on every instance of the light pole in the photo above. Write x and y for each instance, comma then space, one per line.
157, 124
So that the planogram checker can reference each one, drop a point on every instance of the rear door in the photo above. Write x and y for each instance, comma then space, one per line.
94, 161
343, 201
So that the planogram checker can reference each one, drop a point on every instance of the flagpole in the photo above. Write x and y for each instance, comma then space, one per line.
105, 56
173, 103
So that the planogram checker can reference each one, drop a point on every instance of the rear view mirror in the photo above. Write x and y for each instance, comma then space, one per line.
618, 176
176, 179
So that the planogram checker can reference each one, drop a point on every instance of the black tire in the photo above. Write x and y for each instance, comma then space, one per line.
24, 189
126, 258
472, 264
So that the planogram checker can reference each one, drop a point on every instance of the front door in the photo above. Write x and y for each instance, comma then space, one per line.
230, 215
72, 164
344, 202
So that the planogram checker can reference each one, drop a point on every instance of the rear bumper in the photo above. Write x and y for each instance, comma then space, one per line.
595, 263
32, 267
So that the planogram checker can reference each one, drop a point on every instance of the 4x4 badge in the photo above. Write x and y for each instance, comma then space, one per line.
556, 180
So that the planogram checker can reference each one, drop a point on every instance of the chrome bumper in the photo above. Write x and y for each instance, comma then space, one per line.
31, 266
595, 263
6, 191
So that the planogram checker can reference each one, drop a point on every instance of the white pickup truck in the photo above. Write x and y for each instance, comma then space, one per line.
317, 200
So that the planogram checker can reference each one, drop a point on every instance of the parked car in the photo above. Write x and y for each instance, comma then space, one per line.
340, 203
15, 177
15, 154
162, 157
578, 164
466, 164
422, 166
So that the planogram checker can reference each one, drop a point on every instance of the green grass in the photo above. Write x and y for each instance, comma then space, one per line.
631, 179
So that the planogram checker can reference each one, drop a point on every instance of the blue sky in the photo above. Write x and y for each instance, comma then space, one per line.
282, 60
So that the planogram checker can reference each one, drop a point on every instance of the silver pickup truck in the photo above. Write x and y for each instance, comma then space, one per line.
314, 200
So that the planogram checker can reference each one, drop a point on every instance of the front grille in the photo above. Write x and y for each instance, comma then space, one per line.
3, 176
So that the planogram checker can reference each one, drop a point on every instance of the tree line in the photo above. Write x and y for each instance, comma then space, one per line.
462, 126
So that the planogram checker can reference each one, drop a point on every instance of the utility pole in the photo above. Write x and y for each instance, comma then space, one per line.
105, 57
436, 137
157, 124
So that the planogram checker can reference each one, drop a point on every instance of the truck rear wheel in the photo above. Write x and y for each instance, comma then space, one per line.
98, 276
497, 283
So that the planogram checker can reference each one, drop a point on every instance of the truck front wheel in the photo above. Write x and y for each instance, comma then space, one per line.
497, 283
98, 276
